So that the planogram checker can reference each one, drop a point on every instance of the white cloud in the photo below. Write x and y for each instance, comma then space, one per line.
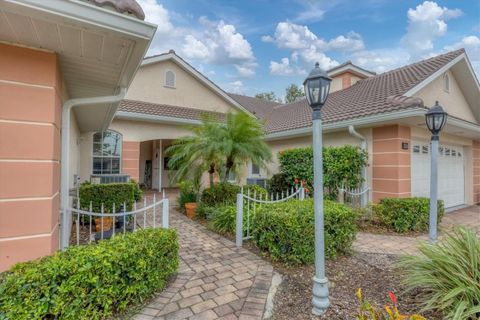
156, 13
236, 87
426, 23
281, 68
267, 38
380, 60
313, 55
312, 11
194, 49
289, 35
352, 42
221, 44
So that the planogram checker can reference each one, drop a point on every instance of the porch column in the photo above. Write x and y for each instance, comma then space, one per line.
476, 171
131, 159
391, 162
30, 116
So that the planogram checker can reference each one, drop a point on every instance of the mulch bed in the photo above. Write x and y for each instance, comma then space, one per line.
371, 272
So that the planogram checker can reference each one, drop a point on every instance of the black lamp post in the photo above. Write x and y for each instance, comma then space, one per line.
317, 87
435, 119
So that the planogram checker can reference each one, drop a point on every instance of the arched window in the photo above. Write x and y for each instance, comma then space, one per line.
107, 152
446, 83
170, 79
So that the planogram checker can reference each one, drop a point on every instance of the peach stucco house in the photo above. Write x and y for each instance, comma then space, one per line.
58, 59
383, 113
66, 116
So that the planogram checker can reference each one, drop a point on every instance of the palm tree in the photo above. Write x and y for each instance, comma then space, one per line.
219, 147
243, 140
192, 155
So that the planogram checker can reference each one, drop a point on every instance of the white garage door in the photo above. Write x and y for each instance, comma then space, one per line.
451, 176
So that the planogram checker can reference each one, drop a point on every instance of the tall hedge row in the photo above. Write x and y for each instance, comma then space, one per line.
109, 194
342, 166
92, 281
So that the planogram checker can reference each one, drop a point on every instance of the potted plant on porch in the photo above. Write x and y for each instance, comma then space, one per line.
187, 200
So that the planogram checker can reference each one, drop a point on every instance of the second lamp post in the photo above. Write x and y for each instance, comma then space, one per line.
435, 118
317, 87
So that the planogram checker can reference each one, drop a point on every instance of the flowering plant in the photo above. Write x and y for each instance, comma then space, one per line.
369, 312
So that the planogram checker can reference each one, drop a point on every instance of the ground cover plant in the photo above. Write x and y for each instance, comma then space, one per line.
91, 281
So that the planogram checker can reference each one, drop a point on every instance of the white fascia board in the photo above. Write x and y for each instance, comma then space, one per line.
434, 76
352, 122
90, 14
352, 68
464, 124
154, 118
197, 75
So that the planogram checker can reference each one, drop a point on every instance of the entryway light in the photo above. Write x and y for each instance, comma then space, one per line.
317, 87
436, 118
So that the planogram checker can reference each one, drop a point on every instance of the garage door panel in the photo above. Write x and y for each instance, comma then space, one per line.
451, 177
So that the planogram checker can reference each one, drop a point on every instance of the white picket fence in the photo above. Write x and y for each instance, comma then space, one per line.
142, 216
249, 201
355, 196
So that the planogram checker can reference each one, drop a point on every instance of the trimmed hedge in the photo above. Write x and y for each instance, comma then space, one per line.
406, 214
286, 230
279, 183
92, 281
220, 194
342, 166
109, 194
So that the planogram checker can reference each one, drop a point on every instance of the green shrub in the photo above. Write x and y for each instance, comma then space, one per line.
187, 194
108, 194
406, 214
137, 192
220, 194
91, 281
254, 189
342, 166
286, 230
222, 218
279, 183
448, 274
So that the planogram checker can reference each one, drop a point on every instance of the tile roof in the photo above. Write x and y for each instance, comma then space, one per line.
129, 6
259, 107
367, 97
375, 95
165, 110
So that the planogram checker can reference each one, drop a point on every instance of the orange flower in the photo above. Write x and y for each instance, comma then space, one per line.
306, 190
295, 181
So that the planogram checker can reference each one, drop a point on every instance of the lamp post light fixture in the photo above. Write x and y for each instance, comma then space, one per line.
435, 118
317, 87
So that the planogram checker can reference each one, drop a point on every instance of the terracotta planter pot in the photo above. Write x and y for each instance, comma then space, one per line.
191, 208
107, 224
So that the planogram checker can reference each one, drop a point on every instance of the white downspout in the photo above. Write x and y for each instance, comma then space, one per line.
353, 132
65, 157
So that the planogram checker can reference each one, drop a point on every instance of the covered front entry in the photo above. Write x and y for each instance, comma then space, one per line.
153, 169
451, 173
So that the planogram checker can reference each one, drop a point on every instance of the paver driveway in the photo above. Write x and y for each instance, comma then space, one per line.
216, 280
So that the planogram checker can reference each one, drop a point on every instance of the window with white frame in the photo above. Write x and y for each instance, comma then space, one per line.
446, 83
232, 176
254, 170
170, 79
107, 152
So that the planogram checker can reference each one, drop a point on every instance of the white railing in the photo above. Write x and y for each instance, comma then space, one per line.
94, 226
354, 196
250, 200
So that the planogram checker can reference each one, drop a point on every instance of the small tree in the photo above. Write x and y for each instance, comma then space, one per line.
268, 96
293, 93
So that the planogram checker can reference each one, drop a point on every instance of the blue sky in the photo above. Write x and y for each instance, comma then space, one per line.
254, 46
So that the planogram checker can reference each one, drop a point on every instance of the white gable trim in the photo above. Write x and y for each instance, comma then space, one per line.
438, 73
353, 69
197, 75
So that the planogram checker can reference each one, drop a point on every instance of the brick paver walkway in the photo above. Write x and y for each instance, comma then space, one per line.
216, 280
389, 244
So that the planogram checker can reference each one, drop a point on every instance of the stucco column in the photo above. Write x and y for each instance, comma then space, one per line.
391, 162
30, 113
131, 159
